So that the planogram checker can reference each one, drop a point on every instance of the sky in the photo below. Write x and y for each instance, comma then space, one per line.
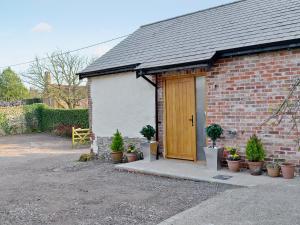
36, 27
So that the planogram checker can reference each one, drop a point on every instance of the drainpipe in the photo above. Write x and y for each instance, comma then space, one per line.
156, 115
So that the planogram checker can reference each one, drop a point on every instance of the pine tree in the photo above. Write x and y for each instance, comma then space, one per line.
255, 151
117, 144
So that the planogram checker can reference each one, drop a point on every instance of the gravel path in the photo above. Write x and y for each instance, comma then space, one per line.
46, 185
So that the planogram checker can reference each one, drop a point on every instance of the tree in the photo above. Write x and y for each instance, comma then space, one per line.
12, 87
60, 82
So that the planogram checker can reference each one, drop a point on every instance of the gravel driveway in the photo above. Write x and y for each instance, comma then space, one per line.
42, 183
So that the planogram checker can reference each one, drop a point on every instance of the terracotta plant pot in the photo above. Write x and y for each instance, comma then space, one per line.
131, 157
234, 166
273, 172
288, 170
255, 167
116, 157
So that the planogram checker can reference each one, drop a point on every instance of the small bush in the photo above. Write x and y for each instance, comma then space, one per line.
117, 144
214, 132
86, 157
255, 151
148, 132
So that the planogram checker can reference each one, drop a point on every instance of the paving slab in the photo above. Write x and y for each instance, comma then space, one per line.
198, 172
261, 205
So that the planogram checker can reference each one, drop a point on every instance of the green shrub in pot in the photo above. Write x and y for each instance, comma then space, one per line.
213, 154
214, 132
148, 132
117, 147
255, 154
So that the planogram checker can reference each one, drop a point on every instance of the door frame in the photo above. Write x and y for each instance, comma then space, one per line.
169, 77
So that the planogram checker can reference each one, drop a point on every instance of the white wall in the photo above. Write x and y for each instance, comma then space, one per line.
120, 101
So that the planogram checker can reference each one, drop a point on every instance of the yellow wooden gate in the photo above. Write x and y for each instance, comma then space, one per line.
80, 136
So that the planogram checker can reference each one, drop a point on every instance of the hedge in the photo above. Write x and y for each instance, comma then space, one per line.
33, 116
51, 118
40, 118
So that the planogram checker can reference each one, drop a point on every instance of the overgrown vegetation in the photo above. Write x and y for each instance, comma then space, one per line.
4, 125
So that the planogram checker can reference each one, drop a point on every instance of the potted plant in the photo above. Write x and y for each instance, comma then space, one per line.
233, 159
151, 146
117, 147
255, 154
273, 169
131, 153
288, 170
213, 154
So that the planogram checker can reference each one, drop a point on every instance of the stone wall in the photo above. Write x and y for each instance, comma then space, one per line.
103, 145
11, 104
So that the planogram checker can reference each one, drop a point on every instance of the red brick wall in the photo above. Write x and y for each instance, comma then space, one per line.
241, 94
243, 91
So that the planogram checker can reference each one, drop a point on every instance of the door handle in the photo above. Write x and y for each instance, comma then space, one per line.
192, 120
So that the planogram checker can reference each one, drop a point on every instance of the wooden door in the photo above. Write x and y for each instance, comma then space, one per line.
180, 117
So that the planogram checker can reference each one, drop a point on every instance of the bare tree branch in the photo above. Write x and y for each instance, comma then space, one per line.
65, 85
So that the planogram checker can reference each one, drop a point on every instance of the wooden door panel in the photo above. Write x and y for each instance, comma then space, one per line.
180, 107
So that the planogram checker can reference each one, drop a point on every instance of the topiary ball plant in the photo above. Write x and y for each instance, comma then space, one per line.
117, 144
255, 151
148, 132
214, 132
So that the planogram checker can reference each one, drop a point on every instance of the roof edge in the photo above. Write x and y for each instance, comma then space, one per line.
178, 66
260, 48
108, 71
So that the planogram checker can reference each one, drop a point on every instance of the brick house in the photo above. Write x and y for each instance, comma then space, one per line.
232, 65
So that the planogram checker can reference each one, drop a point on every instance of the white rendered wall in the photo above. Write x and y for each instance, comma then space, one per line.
120, 101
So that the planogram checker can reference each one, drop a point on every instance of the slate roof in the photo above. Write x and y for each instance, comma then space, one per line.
198, 36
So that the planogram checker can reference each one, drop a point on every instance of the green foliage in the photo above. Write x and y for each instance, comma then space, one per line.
39, 118
51, 118
148, 132
33, 116
86, 157
117, 144
214, 132
4, 124
11, 86
233, 154
255, 151
131, 148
